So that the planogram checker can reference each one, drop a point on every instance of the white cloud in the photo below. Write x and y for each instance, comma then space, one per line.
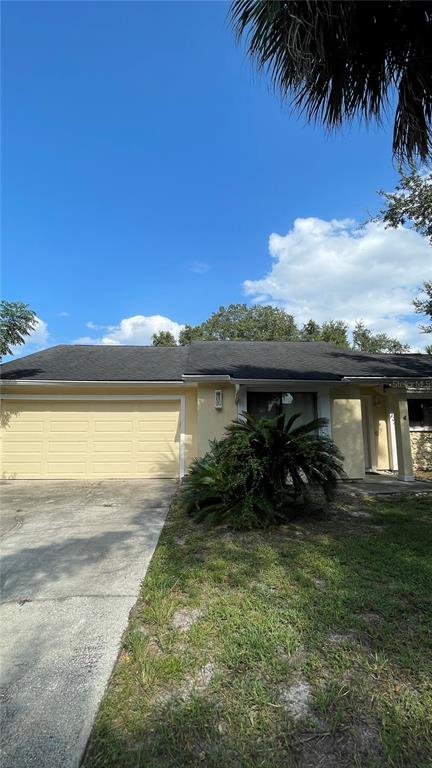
37, 339
336, 270
138, 329
199, 267
94, 327
63, 314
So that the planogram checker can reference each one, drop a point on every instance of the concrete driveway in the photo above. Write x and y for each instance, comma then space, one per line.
73, 557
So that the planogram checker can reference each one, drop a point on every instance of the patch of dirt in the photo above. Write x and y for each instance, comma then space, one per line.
336, 638
372, 618
143, 630
319, 583
184, 618
342, 749
361, 513
153, 647
296, 699
204, 676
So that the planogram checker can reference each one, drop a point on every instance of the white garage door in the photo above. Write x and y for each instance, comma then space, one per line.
90, 439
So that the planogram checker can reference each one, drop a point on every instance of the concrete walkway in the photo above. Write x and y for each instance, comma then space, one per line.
384, 483
73, 557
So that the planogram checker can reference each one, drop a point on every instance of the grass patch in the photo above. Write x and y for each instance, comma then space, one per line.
306, 645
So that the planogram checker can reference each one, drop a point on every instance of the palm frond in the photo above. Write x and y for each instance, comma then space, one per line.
341, 60
258, 473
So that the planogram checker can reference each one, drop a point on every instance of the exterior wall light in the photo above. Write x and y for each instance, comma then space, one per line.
218, 399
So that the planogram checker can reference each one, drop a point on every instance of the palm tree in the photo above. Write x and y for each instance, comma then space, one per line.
340, 60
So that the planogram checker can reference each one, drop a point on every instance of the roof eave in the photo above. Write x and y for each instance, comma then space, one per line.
92, 382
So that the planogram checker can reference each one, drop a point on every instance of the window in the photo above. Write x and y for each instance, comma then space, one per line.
420, 413
265, 405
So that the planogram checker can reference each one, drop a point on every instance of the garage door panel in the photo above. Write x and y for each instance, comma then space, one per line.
26, 425
111, 465
166, 469
155, 421
114, 427
62, 446
22, 446
152, 445
27, 469
64, 459
67, 468
107, 446
109, 439
66, 426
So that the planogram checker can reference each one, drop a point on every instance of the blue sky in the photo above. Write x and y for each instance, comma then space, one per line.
146, 165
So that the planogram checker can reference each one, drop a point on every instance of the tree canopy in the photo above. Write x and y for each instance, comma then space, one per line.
337, 61
375, 343
17, 320
164, 339
410, 203
423, 305
240, 322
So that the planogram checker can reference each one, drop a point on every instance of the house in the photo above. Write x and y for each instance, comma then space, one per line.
93, 412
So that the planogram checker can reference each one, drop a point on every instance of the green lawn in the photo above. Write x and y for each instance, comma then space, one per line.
308, 645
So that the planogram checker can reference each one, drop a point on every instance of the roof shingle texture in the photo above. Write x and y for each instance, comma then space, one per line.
298, 360
310, 361
72, 362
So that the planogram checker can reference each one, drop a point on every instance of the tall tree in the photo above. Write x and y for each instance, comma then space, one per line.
238, 322
17, 320
332, 331
341, 60
311, 331
410, 203
164, 339
376, 343
335, 332
423, 305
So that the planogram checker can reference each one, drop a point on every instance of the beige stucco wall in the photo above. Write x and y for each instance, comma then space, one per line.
203, 422
421, 447
347, 430
211, 422
379, 410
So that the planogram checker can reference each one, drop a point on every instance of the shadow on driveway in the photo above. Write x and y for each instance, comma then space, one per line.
73, 557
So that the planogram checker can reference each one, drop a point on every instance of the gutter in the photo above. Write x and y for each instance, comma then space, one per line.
233, 380
78, 383
384, 379
203, 378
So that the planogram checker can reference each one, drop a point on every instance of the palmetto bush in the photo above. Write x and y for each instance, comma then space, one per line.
263, 472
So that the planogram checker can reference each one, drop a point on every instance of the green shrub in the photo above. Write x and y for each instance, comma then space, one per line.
262, 473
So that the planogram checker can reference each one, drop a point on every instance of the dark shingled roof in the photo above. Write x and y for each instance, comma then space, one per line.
72, 362
298, 360
314, 361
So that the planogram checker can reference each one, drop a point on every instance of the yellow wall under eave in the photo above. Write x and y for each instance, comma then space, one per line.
212, 422
347, 429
